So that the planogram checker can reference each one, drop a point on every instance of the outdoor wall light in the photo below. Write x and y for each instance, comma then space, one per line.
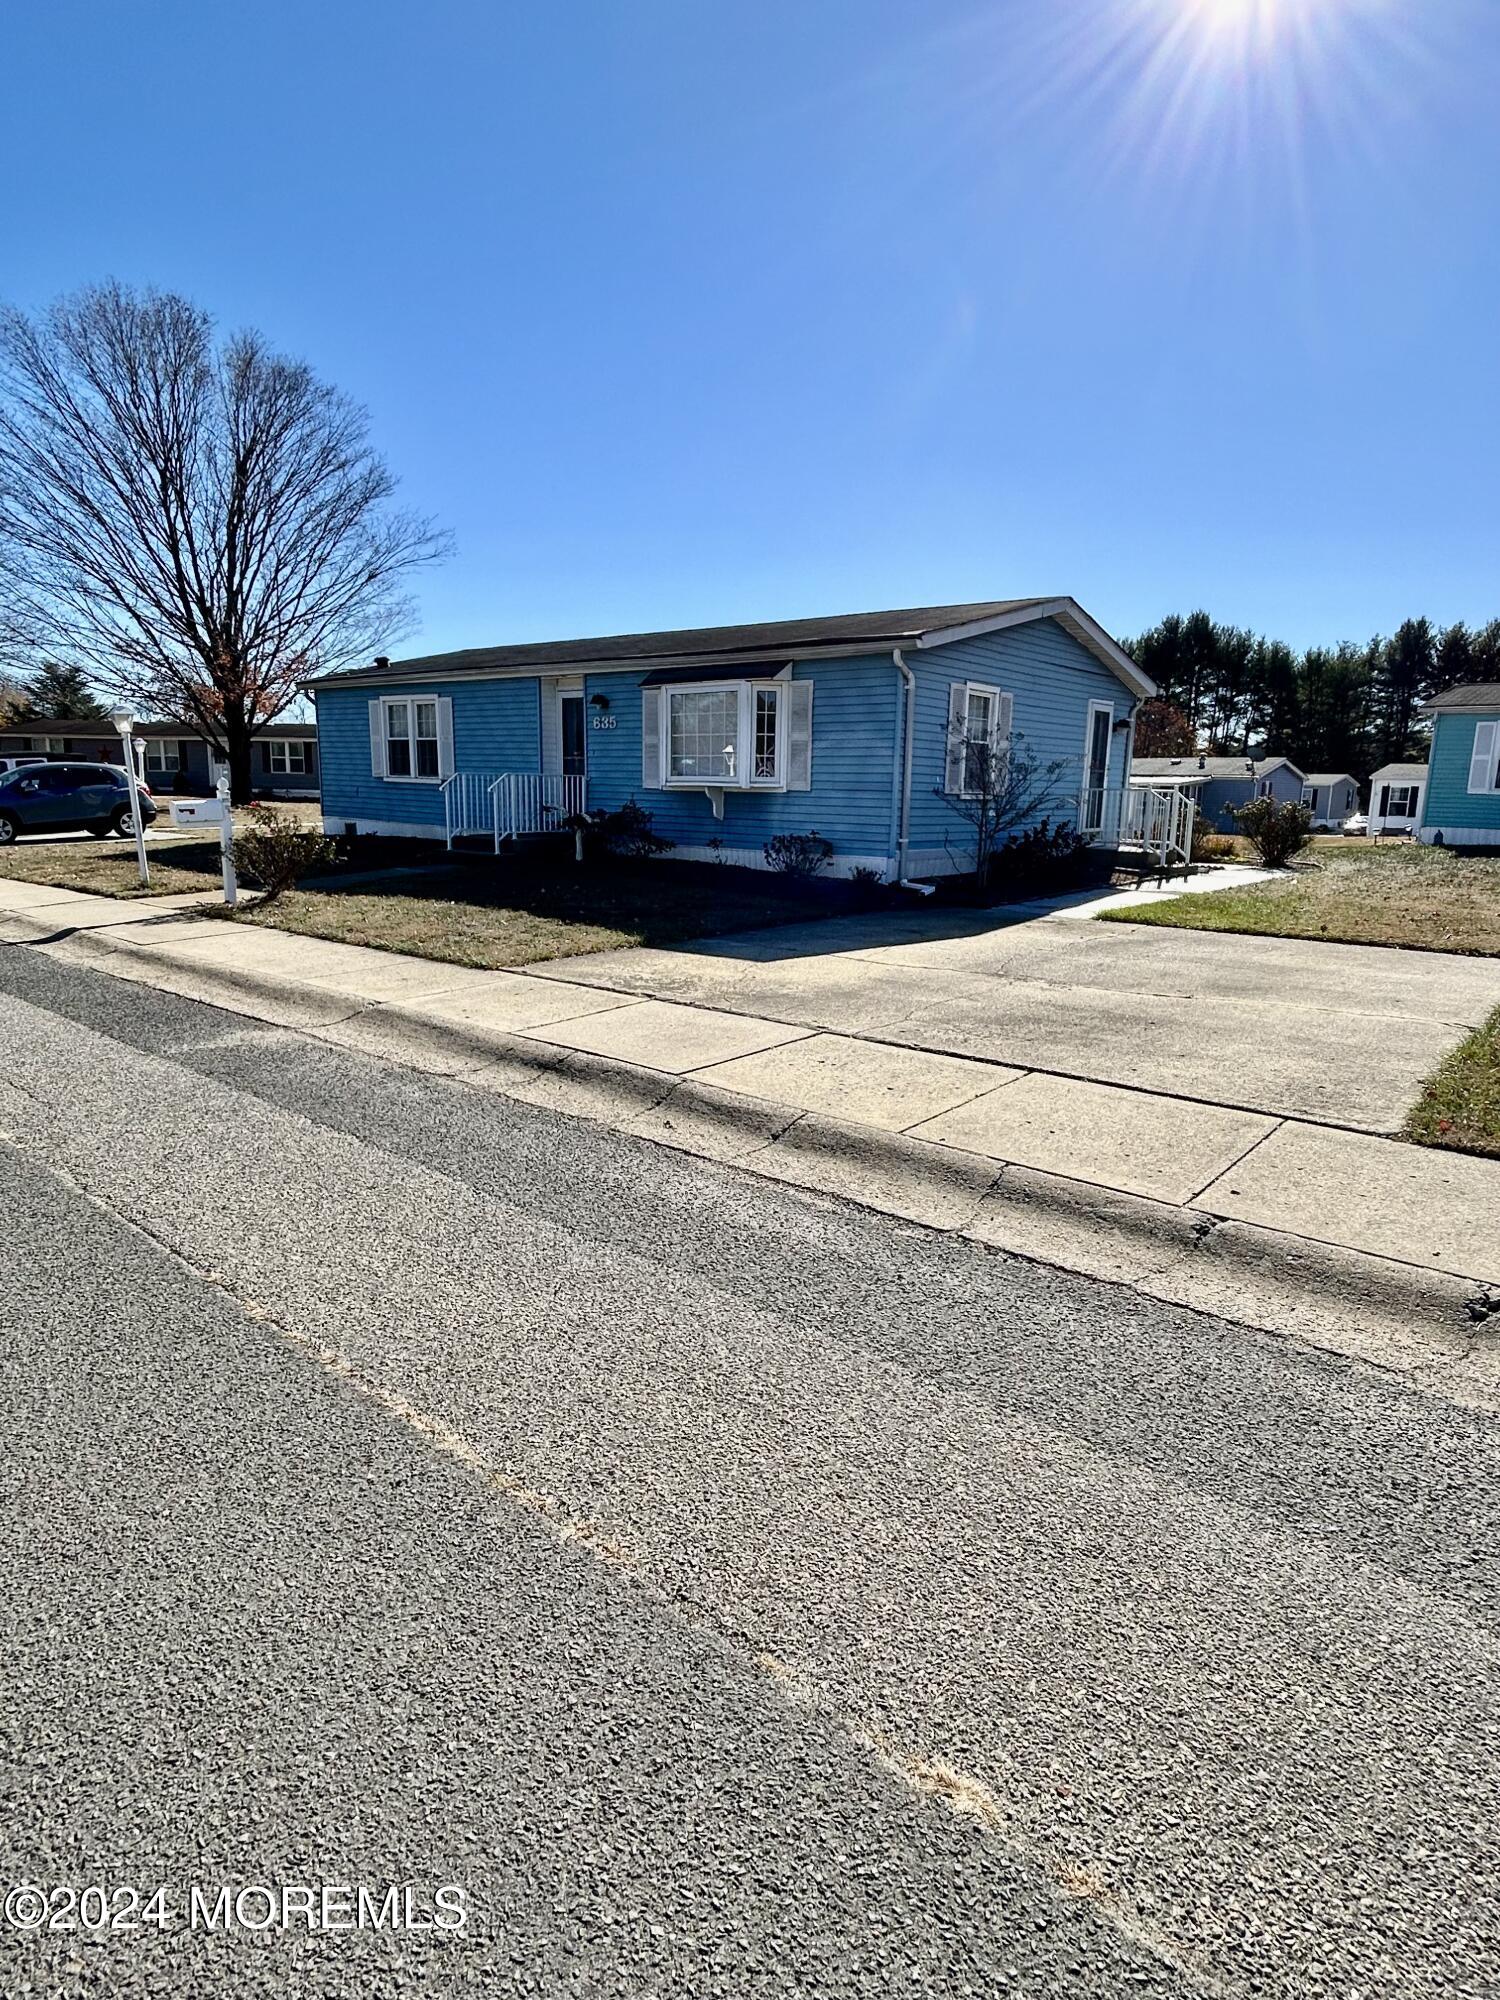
598, 701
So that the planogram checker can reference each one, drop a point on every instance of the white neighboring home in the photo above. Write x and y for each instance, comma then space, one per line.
1331, 796
1396, 795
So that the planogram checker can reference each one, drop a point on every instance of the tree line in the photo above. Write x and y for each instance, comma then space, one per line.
1350, 707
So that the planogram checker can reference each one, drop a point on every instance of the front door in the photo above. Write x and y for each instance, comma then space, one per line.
1101, 728
574, 736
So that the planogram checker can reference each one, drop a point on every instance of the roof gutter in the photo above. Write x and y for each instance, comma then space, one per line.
908, 733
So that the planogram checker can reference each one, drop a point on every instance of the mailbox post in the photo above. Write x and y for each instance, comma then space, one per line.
226, 844
213, 812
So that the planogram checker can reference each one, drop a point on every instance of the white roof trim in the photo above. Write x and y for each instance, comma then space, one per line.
1074, 620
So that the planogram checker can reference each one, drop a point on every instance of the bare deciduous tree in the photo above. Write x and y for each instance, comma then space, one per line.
1006, 787
198, 526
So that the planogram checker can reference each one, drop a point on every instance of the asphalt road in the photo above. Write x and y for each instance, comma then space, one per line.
727, 1591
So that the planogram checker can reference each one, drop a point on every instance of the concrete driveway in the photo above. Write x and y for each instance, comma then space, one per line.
1340, 1033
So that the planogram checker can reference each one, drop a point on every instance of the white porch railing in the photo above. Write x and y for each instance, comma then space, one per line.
1160, 822
467, 808
535, 802
506, 804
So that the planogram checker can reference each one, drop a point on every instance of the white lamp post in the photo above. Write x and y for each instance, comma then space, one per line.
125, 723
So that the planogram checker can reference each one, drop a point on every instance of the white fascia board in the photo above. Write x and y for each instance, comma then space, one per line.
762, 667
1074, 620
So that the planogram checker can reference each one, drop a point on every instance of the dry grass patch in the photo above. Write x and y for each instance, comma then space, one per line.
1418, 898
518, 912
108, 867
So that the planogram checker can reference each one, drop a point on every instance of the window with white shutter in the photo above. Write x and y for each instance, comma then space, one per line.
1484, 761
728, 735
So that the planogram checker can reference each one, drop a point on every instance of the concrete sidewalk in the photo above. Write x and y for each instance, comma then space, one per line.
1351, 1240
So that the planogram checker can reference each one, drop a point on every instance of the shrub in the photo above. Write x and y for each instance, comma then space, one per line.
802, 854
1209, 845
1277, 832
1043, 857
274, 852
628, 831
866, 877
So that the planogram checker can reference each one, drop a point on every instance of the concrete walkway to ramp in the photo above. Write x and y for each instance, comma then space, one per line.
1341, 1034
1173, 1111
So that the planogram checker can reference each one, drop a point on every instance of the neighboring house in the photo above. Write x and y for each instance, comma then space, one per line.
1462, 802
1396, 793
1331, 797
1221, 785
853, 727
174, 758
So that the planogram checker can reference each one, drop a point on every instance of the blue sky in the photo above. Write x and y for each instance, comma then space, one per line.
682, 311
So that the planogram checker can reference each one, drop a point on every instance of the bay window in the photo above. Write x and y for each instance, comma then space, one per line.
728, 734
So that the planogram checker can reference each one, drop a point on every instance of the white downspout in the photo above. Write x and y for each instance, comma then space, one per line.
903, 824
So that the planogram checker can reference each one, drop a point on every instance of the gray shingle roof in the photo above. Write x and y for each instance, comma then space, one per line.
1400, 774
779, 639
1477, 698
1206, 768
99, 729
1330, 778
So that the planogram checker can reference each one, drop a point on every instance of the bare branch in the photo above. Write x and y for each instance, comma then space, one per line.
197, 528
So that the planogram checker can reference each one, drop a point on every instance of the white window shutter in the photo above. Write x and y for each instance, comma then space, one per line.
1004, 711
799, 699
377, 741
651, 735
1482, 764
445, 735
958, 731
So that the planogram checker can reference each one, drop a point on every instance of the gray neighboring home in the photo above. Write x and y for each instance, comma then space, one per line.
1331, 797
1220, 785
174, 757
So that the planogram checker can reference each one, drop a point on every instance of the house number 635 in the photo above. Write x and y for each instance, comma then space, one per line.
605, 722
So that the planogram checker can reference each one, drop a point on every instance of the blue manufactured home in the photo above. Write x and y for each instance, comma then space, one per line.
1220, 786
1461, 803
853, 727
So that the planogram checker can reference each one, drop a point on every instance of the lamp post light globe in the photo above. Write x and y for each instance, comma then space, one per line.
124, 722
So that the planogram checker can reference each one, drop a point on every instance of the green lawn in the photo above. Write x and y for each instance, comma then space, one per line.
1420, 898
519, 910
1460, 1107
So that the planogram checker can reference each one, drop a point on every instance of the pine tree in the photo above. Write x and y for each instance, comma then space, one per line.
1485, 652
60, 693
1455, 657
1405, 668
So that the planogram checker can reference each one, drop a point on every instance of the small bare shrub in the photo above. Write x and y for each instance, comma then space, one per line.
274, 852
802, 854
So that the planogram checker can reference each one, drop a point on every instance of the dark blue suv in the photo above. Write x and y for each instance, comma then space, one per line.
68, 798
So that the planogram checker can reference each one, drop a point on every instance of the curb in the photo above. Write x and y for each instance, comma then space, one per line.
1441, 1332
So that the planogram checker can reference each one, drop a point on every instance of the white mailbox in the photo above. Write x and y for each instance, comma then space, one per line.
198, 812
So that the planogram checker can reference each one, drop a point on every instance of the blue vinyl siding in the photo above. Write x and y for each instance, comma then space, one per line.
1450, 803
496, 727
1219, 800
853, 736
1051, 679
856, 718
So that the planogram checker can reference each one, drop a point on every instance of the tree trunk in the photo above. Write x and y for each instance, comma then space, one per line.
237, 747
